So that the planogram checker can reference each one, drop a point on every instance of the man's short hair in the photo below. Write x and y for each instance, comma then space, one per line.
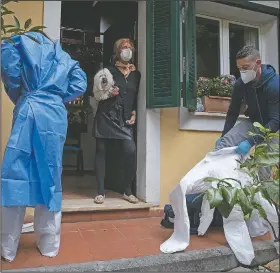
248, 51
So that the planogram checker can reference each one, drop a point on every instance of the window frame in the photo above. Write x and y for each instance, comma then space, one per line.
224, 40
214, 122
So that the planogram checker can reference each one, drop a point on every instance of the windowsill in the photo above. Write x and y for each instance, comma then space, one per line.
203, 121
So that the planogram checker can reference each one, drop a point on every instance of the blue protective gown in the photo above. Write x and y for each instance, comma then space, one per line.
39, 79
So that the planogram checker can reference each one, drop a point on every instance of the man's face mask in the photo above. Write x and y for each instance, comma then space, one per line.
248, 75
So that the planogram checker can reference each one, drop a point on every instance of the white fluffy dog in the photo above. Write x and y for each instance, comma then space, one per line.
104, 85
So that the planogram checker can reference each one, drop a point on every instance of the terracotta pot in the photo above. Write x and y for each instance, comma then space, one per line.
215, 104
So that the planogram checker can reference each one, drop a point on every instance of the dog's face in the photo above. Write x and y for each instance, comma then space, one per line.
104, 79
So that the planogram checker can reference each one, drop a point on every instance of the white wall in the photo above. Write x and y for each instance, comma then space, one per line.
271, 40
52, 17
274, 4
148, 138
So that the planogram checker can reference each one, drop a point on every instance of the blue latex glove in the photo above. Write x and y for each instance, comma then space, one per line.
243, 147
218, 142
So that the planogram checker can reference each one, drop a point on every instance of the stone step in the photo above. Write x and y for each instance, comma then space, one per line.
114, 208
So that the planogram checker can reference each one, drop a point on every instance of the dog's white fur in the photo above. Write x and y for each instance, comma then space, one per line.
103, 90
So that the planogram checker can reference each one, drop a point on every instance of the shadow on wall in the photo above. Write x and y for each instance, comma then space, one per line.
180, 151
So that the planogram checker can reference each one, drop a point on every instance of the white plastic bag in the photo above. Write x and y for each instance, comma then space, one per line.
47, 226
218, 164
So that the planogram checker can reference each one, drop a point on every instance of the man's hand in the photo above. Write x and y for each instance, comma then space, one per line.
132, 119
243, 147
218, 142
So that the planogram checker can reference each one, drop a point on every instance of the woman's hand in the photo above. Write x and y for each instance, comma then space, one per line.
115, 91
132, 119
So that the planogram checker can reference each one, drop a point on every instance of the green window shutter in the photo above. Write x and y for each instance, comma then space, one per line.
190, 98
163, 54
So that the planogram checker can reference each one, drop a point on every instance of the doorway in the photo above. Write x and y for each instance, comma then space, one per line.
88, 32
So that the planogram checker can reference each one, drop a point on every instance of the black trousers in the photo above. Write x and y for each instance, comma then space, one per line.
127, 155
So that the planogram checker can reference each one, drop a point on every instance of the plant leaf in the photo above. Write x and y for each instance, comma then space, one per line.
261, 128
248, 190
260, 209
244, 203
233, 197
225, 209
273, 191
16, 22
7, 12
14, 30
274, 135
27, 23
37, 28
255, 134
224, 192
4, 8
265, 194
197, 197
7, 26
32, 38
211, 179
214, 198
267, 159
276, 175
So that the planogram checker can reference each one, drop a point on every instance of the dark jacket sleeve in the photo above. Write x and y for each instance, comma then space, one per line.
273, 111
235, 105
134, 107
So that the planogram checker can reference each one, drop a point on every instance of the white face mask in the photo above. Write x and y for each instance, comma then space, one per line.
126, 54
248, 75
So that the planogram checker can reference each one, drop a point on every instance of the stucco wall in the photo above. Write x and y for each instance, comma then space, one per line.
180, 151
23, 11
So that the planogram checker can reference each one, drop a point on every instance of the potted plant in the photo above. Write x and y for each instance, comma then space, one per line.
215, 94
9, 30
225, 196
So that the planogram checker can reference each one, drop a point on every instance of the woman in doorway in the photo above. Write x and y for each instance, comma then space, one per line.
114, 120
39, 77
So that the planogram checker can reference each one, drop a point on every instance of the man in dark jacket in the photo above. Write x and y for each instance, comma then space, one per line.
258, 89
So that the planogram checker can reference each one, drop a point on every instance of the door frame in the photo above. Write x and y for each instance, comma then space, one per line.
148, 125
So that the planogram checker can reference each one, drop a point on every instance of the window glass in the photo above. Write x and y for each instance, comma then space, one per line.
240, 36
208, 47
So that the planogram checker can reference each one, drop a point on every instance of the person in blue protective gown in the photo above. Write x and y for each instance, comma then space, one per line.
39, 78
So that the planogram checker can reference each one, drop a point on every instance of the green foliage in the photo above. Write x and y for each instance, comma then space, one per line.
221, 86
226, 195
8, 31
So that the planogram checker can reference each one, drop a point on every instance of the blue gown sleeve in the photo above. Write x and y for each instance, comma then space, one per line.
77, 83
11, 70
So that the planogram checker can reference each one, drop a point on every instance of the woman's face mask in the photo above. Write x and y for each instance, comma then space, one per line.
126, 54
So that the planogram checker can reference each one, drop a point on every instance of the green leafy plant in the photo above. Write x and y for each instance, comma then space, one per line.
265, 155
221, 86
10, 30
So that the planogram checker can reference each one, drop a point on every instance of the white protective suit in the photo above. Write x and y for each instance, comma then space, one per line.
47, 225
218, 164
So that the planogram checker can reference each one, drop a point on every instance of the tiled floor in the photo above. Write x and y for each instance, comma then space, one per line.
77, 187
106, 240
